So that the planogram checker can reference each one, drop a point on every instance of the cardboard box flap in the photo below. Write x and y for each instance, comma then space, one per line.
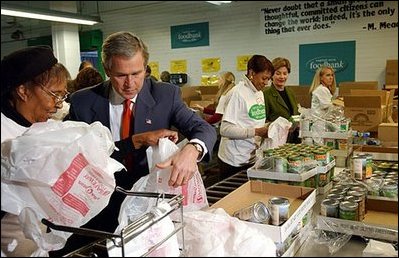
345, 87
363, 101
281, 189
382, 93
378, 203
208, 90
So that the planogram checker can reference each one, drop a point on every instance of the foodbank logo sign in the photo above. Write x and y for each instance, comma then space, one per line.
338, 55
335, 62
190, 35
257, 112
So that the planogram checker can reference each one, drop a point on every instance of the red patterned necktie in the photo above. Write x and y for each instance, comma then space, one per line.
126, 116
125, 132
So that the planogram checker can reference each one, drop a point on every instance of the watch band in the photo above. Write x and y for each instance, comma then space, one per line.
198, 147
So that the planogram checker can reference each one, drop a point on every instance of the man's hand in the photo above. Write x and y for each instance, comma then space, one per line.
152, 138
184, 165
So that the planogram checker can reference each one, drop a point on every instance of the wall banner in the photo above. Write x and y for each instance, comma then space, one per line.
339, 55
190, 35
309, 17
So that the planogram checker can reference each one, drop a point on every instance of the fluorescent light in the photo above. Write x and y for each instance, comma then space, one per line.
49, 15
219, 2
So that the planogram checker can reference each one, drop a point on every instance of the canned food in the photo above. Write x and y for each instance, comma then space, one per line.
256, 212
280, 164
279, 210
321, 157
329, 208
295, 164
390, 189
348, 210
361, 210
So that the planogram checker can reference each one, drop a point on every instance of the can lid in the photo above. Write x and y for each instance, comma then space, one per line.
346, 205
279, 201
261, 212
330, 202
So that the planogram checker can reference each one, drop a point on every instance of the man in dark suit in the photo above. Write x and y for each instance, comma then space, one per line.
156, 107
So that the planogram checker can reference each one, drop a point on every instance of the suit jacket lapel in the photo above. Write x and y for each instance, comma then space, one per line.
144, 104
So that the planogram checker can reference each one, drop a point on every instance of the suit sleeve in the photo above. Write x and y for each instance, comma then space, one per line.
192, 125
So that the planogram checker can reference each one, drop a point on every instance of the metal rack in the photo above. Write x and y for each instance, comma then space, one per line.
221, 189
99, 248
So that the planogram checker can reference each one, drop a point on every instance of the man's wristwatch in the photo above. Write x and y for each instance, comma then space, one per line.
198, 147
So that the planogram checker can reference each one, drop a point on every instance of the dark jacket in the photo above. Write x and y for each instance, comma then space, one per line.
275, 105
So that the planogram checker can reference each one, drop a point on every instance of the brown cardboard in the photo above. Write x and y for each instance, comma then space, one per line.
279, 189
203, 103
346, 87
301, 94
209, 97
301, 201
365, 112
383, 204
388, 133
391, 72
382, 93
394, 115
208, 90
375, 149
189, 93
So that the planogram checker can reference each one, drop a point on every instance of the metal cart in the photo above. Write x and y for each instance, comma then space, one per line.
135, 228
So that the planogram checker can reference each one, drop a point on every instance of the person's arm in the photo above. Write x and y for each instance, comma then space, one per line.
137, 141
233, 131
214, 118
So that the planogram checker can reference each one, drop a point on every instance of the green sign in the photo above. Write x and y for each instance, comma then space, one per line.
257, 112
190, 35
339, 55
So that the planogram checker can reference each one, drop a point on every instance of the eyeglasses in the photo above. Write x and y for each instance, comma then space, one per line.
57, 98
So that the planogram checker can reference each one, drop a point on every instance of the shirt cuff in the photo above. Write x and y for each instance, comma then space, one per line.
203, 147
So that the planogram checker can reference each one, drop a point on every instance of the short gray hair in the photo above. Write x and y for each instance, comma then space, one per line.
122, 43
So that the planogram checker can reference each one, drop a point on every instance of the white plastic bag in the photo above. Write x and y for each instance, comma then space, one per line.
194, 191
61, 171
278, 131
214, 233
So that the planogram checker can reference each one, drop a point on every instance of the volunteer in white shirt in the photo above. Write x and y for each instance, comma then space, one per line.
322, 90
243, 124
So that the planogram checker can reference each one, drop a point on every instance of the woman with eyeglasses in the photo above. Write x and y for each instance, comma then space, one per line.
243, 124
33, 88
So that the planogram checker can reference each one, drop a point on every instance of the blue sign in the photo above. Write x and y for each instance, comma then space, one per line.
339, 55
190, 35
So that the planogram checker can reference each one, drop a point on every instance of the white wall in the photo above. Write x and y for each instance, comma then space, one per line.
235, 30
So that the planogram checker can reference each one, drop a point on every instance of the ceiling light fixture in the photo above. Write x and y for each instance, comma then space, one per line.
219, 2
49, 15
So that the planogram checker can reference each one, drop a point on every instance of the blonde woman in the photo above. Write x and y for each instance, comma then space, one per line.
322, 89
226, 83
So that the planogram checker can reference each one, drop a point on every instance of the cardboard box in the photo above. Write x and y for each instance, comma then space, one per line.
379, 153
301, 200
394, 115
346, 87
391, 73
365, 112
209, 97
388, 134
189, 93
203, 103
208, 90
302, 95
380, 221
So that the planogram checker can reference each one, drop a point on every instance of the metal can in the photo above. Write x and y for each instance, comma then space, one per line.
295, 164
280, 164
348, 210
360, 208
329, 208
279, 208
321, 157
358, 166
256, 212
390, 189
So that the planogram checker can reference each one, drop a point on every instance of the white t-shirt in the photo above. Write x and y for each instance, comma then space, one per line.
321, 99
245, 109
